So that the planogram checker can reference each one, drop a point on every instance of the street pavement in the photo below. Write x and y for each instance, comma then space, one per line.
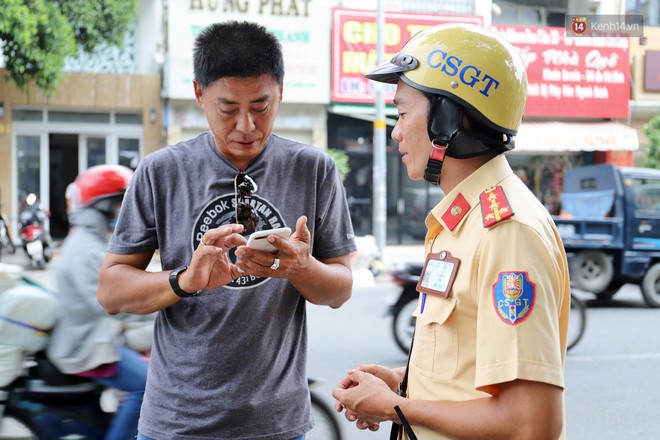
612, 379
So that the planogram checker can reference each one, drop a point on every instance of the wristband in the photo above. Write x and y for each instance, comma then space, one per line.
174, 283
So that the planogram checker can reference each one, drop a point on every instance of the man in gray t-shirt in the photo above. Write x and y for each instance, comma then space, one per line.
230, 342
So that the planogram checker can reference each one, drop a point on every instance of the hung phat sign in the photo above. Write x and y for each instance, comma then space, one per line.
301, 26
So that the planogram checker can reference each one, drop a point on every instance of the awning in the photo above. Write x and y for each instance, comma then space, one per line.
575, 136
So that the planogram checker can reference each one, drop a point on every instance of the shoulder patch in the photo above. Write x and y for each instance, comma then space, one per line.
494, 206
513, 297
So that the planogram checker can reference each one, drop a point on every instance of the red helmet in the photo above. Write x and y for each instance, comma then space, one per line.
100, 182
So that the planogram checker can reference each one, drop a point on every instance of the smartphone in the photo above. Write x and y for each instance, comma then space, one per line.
259, 240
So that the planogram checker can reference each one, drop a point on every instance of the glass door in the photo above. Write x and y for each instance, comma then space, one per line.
129, 152
28, 167
94, 151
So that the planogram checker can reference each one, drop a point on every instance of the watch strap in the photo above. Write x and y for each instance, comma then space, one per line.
174, 283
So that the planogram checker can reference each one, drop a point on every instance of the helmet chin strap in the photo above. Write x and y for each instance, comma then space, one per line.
434, 164
450, 138
443, 125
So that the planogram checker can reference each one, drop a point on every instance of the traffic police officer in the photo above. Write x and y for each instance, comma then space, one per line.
487, 358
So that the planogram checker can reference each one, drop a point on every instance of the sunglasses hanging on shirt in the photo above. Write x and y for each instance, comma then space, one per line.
244, 187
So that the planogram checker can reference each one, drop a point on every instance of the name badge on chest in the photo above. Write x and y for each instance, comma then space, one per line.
438, 275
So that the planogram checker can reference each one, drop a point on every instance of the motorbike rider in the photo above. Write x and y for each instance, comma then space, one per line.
87, 341
487, 358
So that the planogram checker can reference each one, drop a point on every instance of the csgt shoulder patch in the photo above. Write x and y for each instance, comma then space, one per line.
494, 206
513, 297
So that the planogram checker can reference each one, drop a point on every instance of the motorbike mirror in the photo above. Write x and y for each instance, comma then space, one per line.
30, 199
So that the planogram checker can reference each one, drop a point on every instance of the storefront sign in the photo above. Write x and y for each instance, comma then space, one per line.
354, 46
301, 26
572, 77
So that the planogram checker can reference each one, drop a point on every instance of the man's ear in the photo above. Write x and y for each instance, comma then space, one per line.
198, 94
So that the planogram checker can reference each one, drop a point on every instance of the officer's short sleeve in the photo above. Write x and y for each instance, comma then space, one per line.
519, 288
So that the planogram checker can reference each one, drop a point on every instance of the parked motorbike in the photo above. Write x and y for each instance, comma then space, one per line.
366, 261
6, 242
326, 426
403, 323
402, 308
34, 233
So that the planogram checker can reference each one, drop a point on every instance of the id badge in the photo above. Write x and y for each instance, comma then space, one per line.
438, 275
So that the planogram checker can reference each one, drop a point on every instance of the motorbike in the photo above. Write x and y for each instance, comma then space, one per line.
326, 426
6, 242
34, 233
406, 275
402, 308
38, 402
45, 404
366, 261
28, 312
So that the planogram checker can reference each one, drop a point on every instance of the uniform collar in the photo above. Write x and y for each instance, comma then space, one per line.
453, 209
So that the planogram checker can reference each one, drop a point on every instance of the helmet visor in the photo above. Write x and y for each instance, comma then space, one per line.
389, 72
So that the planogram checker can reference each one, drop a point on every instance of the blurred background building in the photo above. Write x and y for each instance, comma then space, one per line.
588, 99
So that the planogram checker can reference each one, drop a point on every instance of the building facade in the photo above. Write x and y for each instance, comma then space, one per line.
118, 105
107, 109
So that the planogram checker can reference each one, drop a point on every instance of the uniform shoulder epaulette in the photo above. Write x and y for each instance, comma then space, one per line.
494, 206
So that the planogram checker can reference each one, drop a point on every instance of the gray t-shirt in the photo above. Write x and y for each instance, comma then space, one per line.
231, 362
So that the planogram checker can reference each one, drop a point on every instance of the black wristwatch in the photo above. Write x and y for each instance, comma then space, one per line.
174, 282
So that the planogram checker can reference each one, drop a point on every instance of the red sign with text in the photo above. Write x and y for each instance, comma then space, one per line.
574, 77
354, 45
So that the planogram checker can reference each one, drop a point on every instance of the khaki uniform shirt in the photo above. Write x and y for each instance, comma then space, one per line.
506, 316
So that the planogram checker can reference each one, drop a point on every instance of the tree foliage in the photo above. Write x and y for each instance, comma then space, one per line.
38, 35
341, 159
652, 131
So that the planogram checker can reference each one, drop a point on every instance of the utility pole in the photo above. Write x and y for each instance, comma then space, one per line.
380, 131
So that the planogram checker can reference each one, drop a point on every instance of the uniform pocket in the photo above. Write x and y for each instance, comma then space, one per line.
435, 350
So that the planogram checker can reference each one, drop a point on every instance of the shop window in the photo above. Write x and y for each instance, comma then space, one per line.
129, 152
544, 175
128, 118
95, 151
28, 167
27, 115
79, 117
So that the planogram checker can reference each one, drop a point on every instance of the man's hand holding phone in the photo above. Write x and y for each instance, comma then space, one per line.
276, 252
258, 241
